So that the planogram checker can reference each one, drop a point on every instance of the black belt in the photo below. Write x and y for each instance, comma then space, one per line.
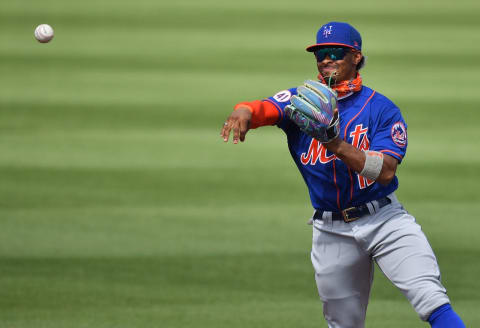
352, 213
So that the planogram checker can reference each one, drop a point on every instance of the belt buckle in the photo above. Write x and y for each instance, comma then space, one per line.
346, 217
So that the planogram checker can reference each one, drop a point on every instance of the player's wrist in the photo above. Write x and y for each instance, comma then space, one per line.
333, 145
244, 113
243, 107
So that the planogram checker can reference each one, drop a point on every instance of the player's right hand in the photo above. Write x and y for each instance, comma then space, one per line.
239, 122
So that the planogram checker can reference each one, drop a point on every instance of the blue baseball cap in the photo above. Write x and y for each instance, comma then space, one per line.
337, 34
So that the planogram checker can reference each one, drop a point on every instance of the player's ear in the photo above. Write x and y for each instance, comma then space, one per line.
357, 57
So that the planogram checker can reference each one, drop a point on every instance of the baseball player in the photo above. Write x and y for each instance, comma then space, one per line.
347, 141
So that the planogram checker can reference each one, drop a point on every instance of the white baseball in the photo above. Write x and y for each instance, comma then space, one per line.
44, 33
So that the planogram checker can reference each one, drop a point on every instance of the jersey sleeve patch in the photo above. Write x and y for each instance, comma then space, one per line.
283, 96
399, 134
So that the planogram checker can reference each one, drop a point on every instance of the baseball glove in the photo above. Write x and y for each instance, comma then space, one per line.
313, 111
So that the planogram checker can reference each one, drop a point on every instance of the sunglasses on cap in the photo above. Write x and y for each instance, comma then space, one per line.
333, 53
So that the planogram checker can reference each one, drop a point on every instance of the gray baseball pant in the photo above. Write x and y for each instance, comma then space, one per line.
343, 254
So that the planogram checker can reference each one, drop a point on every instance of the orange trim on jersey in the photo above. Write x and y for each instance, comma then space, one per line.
346, 127
263, 112
391, 151
336, 186
345, 139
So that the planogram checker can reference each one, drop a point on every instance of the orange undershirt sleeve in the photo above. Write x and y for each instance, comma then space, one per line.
263, 112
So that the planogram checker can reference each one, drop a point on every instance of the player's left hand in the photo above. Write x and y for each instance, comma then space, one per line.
314, 111
239, 122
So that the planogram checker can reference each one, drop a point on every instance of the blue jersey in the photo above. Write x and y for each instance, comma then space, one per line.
368, 120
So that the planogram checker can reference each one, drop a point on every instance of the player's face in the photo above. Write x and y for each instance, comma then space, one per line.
340, 63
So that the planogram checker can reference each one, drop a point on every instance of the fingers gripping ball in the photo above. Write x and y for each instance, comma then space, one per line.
313, 111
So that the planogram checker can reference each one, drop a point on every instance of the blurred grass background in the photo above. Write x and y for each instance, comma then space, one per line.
120, 206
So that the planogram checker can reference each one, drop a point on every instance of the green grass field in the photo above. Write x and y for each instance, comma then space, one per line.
120, 206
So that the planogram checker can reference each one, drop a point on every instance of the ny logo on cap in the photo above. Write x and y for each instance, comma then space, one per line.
327, 31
